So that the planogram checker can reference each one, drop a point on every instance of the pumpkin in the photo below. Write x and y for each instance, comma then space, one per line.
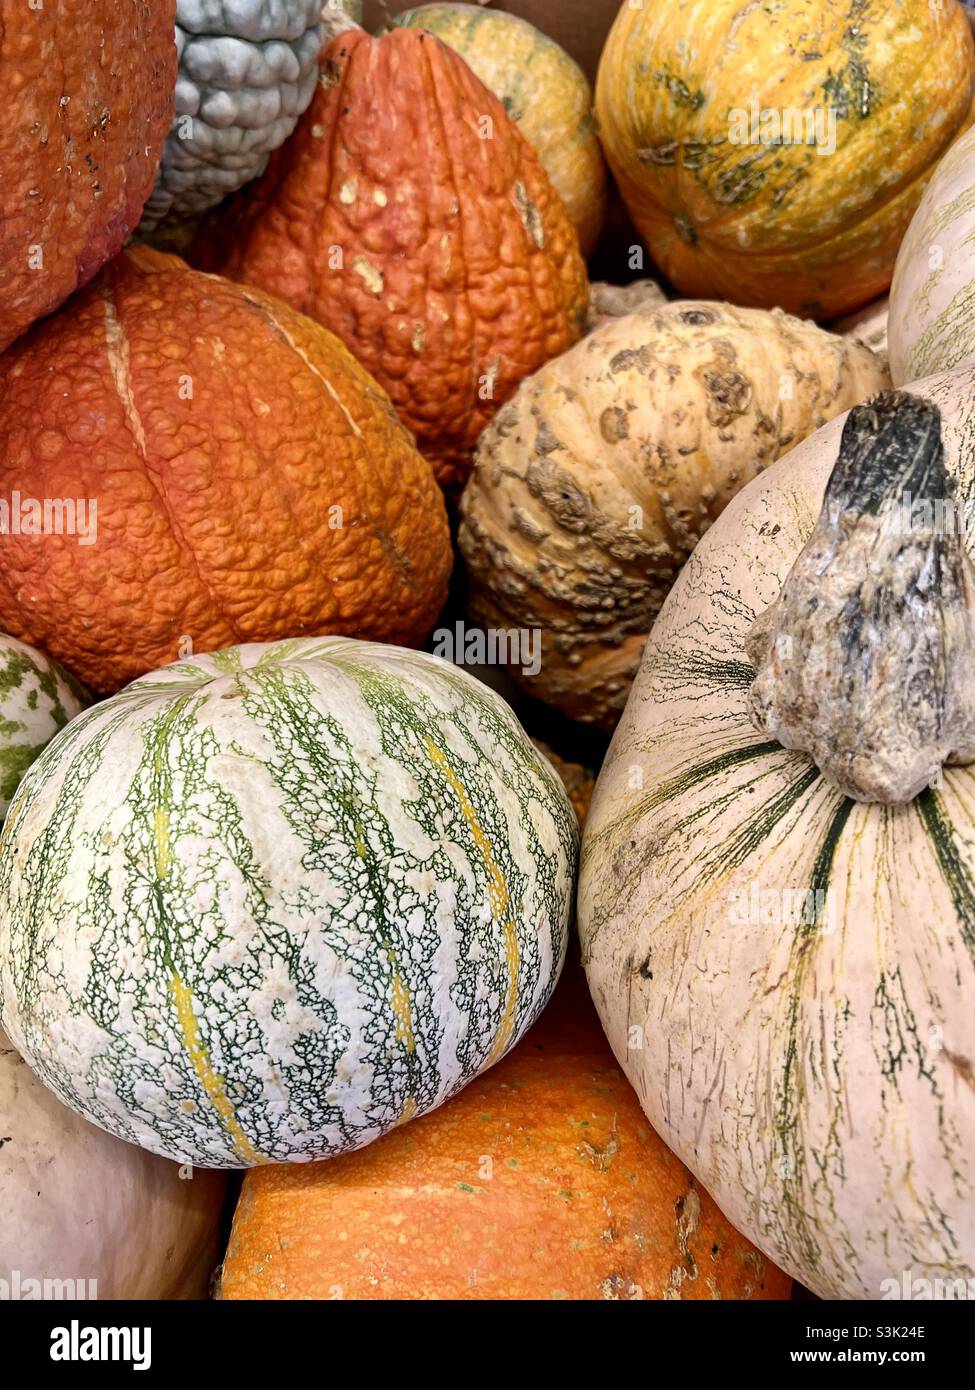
423, 232
543, 90
594, 484
231, 473
267, 904
80, 1205
777, 158
777, 937
931, 324
87, 98
869, 327
541, 1181
246, 74
37, 698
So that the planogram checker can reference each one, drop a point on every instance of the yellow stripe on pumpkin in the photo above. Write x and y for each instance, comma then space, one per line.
209, 1080
497, 897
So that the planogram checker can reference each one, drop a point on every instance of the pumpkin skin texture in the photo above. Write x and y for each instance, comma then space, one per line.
457, 271
544, 92
932, 327
360, 878
869, 326
218, 432
78, 1204
842, 1135
806, 226
595, 483
88, 97
37, 698
581, 1199
245, 76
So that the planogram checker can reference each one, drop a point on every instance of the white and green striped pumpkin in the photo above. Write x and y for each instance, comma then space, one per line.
37, 698
787, 974
932, 298
266, 904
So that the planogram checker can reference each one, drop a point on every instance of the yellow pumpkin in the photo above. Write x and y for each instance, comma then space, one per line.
774, 154
543, 90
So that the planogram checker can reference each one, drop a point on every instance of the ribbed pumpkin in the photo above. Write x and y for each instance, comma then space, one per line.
242, 476
594, 484
80, 1205
787, 934
541, 1181
932, 299
774, 157
544, 92
268, 904
421, 229
37, 698
86, 98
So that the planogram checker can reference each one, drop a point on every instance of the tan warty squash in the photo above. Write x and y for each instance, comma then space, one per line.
777, 895
594, 484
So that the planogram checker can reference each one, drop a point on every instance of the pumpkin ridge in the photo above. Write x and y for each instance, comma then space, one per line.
957, 878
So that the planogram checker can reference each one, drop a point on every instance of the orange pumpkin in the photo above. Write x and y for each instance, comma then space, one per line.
542, 1180
86, 99
420, 228
188, 465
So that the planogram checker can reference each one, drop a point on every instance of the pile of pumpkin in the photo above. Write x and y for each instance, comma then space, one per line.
280, 890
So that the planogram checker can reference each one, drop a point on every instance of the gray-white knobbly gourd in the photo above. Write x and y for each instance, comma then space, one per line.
247, 71
787, 973
269, 903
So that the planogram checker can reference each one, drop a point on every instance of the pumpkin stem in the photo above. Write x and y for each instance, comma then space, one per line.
866, 661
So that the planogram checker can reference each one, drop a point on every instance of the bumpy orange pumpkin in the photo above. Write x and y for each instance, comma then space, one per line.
86, 98
774, 154
541, 1181
409, 215
188, 465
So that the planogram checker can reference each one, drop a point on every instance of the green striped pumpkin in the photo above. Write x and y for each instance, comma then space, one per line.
787, 976
266, 904
37, 698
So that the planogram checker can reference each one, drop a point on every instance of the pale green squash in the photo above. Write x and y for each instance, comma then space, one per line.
37, 698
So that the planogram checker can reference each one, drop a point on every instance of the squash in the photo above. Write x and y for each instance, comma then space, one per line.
869, 327
932, 327
616, 301
37, 698
777, 938
541, 1181
423, 232
243, 477
594, 484
544, 92
776, 157
266, 905
80, 1205
87, 93
246, 73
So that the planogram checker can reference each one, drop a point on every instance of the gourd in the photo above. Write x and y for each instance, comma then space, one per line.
87, 93
231, 474
616, 301
869, 327
246, 73
541, 1181
37, 698
931, 320
444, 260
543, 90
267, 904
778, 161
595, 483
80, 1205
776, 887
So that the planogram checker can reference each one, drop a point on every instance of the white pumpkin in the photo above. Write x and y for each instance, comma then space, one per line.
787, 975
932, 297
76, 1204
868, 326
37, 698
